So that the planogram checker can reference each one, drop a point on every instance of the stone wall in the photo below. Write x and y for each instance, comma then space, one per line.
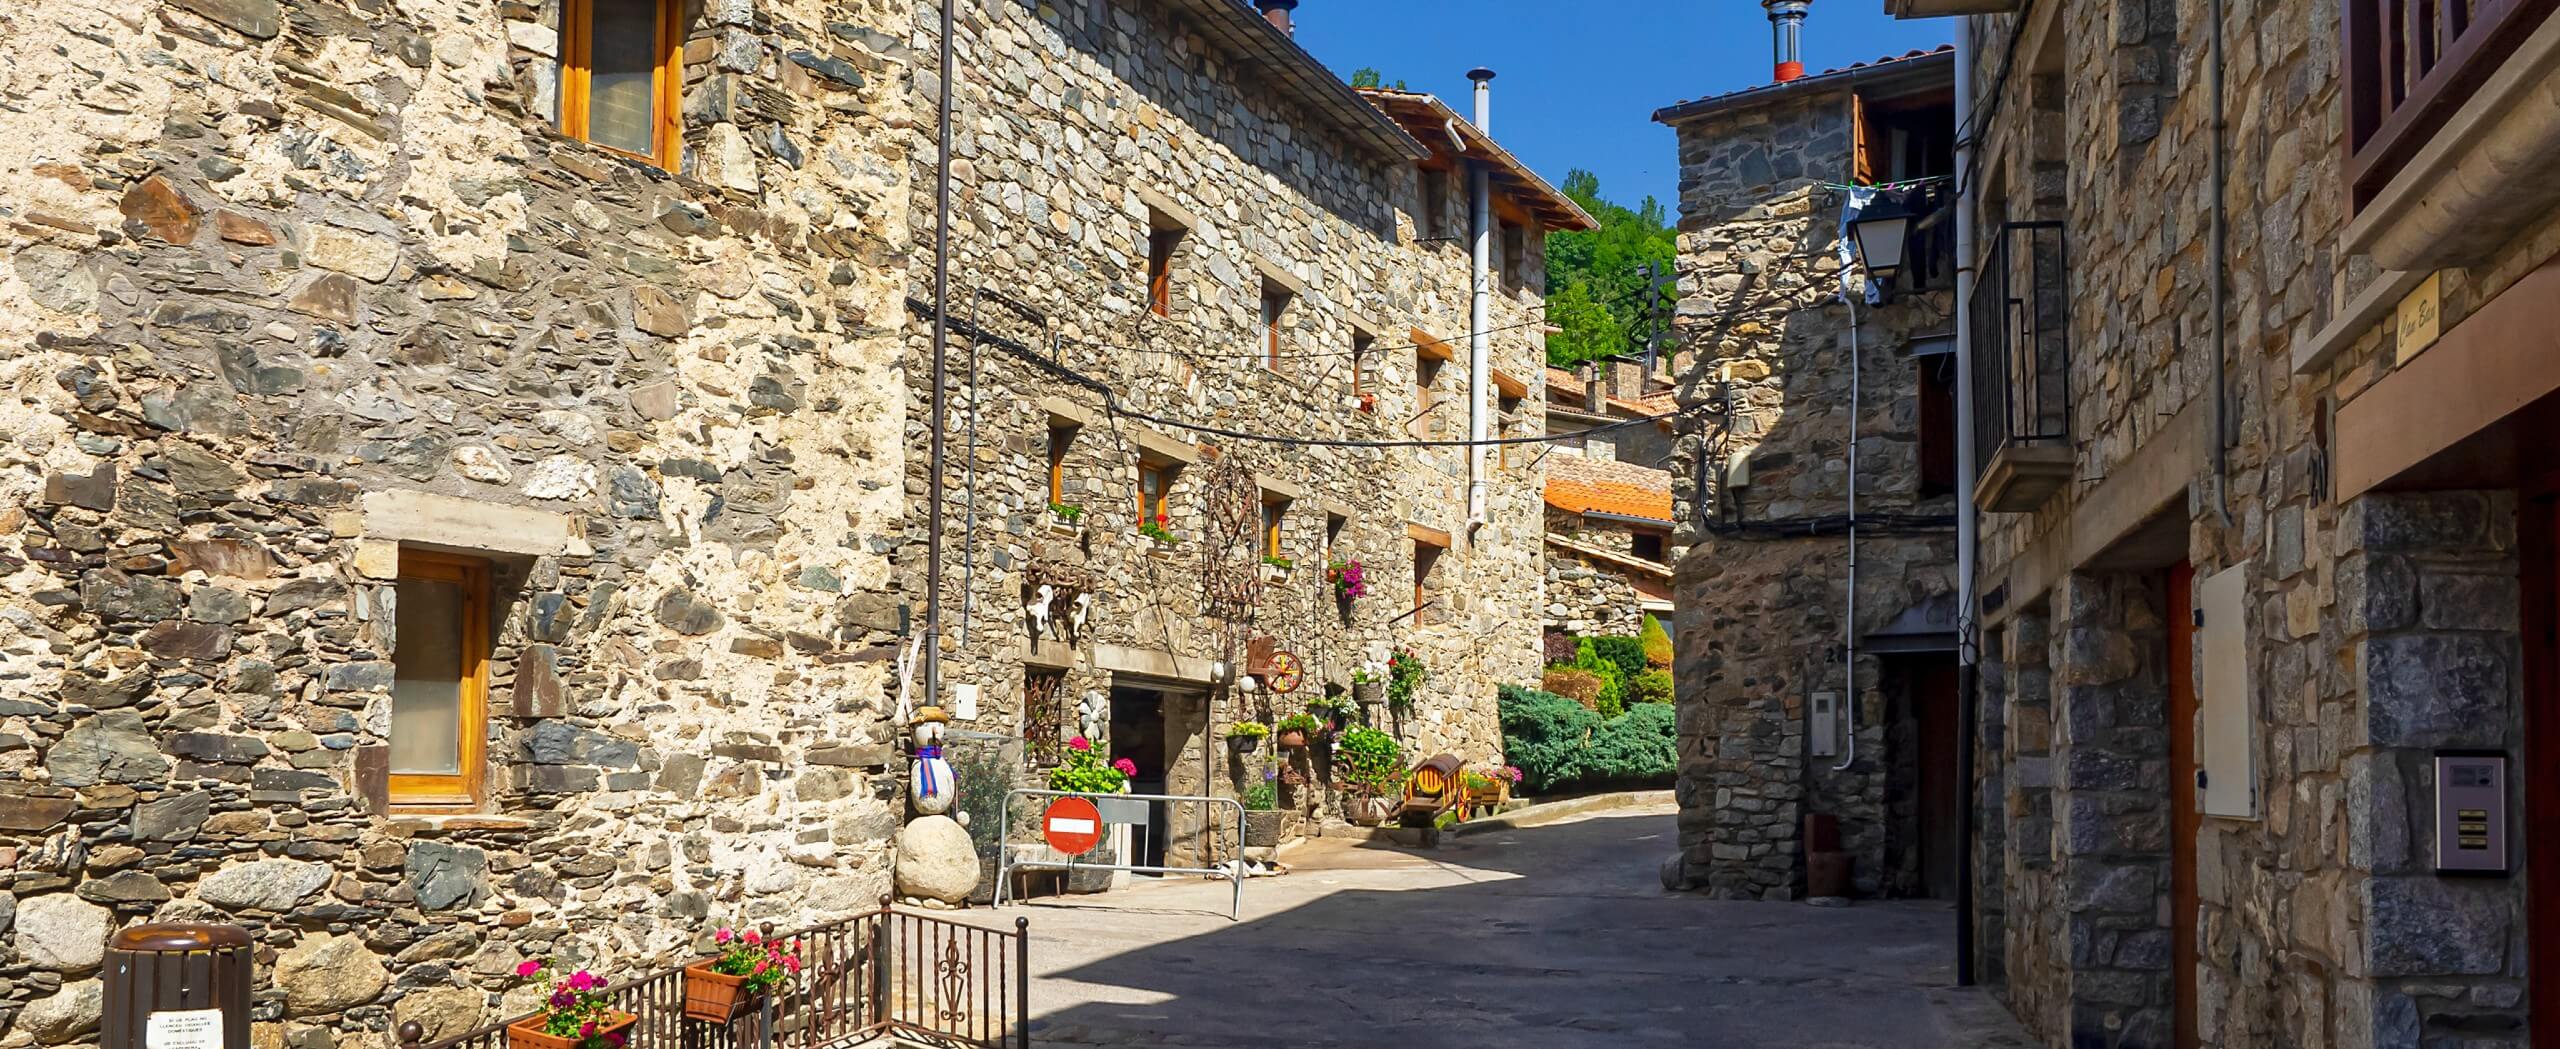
1763, 587
1105, 118
294, 288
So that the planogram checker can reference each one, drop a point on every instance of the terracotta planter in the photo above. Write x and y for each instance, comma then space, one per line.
528, 1033
1243, 744
1293, 738
712, 995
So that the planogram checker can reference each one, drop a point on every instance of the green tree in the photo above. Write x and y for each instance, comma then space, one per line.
1598, 288
1368, 76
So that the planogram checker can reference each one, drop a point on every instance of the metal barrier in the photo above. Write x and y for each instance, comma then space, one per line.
1006, 864
885, 972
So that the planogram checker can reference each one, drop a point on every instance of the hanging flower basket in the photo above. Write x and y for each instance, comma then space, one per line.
1368, 693
1243, 744
1293, 739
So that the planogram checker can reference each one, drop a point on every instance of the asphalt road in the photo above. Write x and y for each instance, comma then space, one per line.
1556, 936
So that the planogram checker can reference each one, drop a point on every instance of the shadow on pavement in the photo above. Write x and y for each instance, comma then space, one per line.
1552, 936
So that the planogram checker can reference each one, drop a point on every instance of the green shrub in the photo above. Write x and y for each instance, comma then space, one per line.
1653, 686
1369, 761
1558, 743
1657, 643
1626, 654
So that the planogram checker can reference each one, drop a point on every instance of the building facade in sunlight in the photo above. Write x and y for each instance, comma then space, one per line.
1816, 661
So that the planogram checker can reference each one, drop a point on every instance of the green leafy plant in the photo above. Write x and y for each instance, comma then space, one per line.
1622, 653
766, 964
1066, 513
1475, 781
1279, 562
1158, 532
1652, 686
1301, 722
1370, 761
1557, 743
1656, 642
1086, 773
1248, 730
1263, 796
1405, 673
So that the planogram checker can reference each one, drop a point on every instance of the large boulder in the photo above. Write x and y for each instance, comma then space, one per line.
262, 885
936, 860
445, 1012
65, 1015
327, 974
62, 932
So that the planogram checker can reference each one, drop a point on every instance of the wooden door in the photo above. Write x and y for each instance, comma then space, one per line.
2185, 819
2539, 530
1934, 703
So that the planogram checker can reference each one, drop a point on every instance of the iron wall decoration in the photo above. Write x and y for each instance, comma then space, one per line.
1044, 711
1230, 572
1057, 599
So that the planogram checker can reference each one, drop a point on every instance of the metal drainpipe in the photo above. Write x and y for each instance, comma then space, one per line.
1968, 521
941, 345
2220, 236
1480, 308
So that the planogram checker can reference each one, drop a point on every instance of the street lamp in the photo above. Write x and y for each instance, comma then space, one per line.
1882, 230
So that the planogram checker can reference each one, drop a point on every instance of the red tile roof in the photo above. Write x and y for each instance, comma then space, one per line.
1583, 485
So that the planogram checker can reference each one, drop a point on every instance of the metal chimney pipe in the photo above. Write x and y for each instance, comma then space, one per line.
1480, 308
1276, 12
1786, 28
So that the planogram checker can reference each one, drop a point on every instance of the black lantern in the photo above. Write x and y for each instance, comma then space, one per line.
1882, 231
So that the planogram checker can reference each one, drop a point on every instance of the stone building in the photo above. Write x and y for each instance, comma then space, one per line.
1815, 661
453, 487
1597, 394
1170, 220
1609, 549
2260, 371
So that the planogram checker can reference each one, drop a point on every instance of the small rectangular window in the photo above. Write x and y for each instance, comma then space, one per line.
1164, 237
1361, 344
1333, 525
622, 76
1937, 437
1649, 546
1426, 567
1511, 425
1155, 492
1061, 438
1275, 316
440, 680
1275, 513
1426, 374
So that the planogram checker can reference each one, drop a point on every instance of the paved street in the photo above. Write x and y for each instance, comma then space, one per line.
1555, 936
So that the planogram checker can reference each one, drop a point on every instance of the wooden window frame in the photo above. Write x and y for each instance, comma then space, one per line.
1166, 471
1275, 316
1275, 517
577, 72
1422, 570
465, 789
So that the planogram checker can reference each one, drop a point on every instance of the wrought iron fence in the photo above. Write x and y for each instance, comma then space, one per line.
2022, 343
883, 973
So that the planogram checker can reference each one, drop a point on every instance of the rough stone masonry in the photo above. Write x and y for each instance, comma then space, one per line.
294, 289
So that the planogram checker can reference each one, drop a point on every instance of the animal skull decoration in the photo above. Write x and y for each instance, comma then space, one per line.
1038, 609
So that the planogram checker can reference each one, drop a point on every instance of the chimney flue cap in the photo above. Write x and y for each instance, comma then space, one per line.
1479, 74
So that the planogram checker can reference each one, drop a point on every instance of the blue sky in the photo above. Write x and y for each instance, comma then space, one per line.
1579, 81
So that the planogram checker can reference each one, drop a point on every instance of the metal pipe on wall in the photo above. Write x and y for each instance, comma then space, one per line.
1480, 304
1968, 521
941, 346
2220, 236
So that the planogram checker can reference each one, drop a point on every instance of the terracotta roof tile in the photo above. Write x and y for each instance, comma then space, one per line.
1584, 485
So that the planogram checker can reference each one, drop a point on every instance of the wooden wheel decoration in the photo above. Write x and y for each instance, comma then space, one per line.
1284, 673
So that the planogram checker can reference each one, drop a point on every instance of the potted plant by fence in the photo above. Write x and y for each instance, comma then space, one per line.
577, 1014
748, 968
1296, 729
1243, 736
1264, 822
1084, 771
1372, 766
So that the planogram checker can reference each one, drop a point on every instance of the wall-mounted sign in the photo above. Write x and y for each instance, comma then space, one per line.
2471, 812
183, 1029
2419, 319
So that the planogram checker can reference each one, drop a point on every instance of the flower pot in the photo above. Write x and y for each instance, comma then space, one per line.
1243, 744
528, 1033
1496, 794
714, 996
1368, 693
1293, 739
1263, 828
1368, 810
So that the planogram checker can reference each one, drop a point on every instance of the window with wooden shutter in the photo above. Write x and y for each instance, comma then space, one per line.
622, 76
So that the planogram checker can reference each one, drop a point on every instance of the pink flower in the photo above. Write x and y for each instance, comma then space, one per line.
723, 936
761, 966
563, 999
791, 964
1126, 767
616, 1037
1080, 744
528, 967
750, 936
582, 981
587, 1029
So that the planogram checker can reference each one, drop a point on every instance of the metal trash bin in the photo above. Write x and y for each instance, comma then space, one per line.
177, 986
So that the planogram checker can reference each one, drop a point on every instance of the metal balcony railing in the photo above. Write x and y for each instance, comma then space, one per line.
2021, 339
2409, 64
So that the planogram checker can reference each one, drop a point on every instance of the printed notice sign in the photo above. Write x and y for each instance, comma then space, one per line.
183, 1029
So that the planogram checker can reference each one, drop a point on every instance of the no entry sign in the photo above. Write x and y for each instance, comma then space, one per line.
1072, 826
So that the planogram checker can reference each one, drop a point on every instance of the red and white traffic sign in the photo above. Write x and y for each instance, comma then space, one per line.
1072, 826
